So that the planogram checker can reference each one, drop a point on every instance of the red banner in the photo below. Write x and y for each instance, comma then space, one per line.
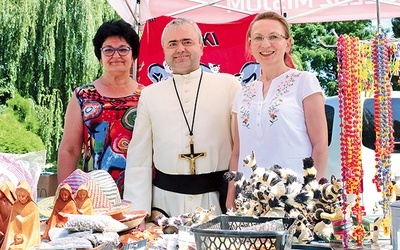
224, 50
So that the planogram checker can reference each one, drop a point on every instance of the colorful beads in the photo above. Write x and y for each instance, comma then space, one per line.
384, 143
354, 67
349, 53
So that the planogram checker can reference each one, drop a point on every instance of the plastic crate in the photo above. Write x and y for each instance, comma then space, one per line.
224, 232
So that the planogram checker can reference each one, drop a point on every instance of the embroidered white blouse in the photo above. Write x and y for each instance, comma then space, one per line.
274, 127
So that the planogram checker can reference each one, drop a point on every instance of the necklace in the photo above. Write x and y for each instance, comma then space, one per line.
192, 156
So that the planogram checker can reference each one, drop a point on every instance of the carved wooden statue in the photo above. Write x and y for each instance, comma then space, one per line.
83, 201
64, 205
18, 242
23, 231
7, 199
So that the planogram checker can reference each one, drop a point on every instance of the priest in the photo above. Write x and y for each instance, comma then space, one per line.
183, 138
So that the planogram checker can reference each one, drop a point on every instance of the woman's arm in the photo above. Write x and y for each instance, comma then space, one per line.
314, 112
70, 149
233, 165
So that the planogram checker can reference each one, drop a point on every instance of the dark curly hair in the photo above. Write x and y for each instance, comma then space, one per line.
118, 28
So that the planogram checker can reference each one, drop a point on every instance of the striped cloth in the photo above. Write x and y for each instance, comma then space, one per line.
101, 188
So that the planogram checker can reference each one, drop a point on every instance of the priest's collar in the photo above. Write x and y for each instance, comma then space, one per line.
192, 75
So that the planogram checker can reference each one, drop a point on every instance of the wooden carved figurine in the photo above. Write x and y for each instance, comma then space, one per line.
83, 201
7, 199
18, 242
23, 231
64, 205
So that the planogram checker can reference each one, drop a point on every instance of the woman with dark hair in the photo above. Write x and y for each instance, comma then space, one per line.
100, 115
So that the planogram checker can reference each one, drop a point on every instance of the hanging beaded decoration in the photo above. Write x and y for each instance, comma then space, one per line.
384, 142
349, 79
367, 67
394, 55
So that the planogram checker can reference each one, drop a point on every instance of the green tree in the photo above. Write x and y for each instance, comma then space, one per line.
24, 110
15, 138
396, 26
45, 52
315, 46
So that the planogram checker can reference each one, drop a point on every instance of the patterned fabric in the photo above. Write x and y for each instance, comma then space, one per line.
249, 95
102, 191
108, 129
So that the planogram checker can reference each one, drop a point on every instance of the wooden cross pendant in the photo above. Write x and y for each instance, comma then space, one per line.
192, 157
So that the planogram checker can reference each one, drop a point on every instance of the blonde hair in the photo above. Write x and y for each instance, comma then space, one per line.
270, 15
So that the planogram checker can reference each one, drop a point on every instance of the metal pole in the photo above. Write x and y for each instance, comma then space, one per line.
132, 12
378, 19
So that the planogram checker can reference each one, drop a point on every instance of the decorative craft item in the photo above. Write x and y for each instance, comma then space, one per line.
7, 199
23, 231
277, 192
349, 72
384, 143
102, 191
64, 205
83, 201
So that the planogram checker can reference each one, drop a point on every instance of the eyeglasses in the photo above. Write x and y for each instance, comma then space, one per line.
258, 39
110, 51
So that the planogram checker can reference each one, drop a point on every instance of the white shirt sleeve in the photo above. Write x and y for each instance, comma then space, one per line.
138, 172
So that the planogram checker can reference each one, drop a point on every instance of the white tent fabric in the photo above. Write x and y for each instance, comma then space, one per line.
126, 9
222, 11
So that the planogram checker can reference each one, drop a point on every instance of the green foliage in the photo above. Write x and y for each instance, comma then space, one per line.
24, 110
396, 26
317, 49
45, 52
51, 116
15, 138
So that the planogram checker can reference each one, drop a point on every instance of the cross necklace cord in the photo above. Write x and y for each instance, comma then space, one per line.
192, 156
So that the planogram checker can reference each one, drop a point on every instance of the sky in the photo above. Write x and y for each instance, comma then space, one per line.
385, 23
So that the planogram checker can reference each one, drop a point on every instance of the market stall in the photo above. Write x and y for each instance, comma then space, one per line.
273, 220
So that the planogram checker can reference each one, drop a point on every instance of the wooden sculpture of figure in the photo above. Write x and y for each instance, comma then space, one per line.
18, 242
64, 205
24, 220
7, 199
83, 202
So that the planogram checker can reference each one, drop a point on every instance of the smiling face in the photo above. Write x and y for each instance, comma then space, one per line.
182, 48
116, 64
269, 51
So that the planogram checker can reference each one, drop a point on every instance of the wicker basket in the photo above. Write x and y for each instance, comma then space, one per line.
224, 232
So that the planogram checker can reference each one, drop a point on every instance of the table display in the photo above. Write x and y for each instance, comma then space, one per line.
309, 212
